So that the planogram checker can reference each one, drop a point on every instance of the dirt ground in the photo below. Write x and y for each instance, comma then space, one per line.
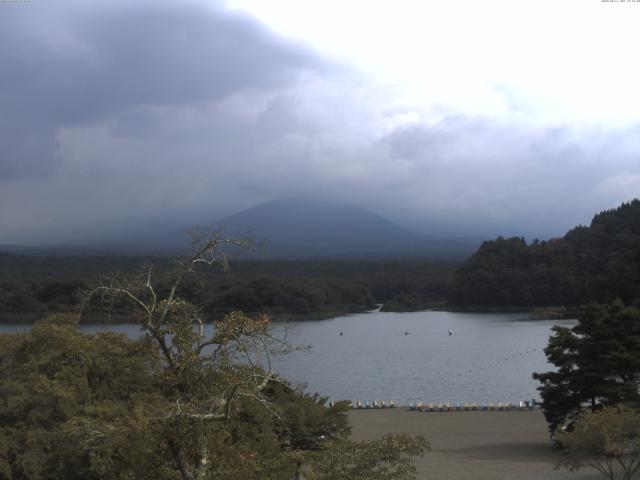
473, 445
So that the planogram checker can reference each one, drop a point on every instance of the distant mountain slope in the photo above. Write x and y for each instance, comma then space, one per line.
304, 227
594, 263
295, 228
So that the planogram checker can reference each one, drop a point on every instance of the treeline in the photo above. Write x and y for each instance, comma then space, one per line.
287, 298
282, 298
589, 264
31, 287
28, 300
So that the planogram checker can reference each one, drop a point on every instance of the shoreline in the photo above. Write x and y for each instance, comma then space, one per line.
555, 313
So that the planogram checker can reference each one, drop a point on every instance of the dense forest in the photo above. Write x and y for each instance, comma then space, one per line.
33, 286
593, 263
177, 403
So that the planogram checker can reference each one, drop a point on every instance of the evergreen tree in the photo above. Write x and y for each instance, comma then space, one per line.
597, 360
589, 264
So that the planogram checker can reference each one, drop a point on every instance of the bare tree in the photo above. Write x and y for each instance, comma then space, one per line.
215, 372
209, 366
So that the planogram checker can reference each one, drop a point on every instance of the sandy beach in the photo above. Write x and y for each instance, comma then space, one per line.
473, 445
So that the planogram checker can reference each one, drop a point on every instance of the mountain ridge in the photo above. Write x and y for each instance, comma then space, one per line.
295, 227
598, 262
299, 226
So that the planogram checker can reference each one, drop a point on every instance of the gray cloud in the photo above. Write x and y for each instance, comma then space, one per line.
514, 173
78, 65
112, 110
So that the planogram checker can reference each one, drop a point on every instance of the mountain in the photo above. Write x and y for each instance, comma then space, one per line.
594, 263
294, 228
302, 227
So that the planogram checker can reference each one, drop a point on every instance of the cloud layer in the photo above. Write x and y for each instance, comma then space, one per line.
119, 110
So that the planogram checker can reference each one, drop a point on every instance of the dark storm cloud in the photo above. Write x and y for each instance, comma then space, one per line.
114, 110
77, 63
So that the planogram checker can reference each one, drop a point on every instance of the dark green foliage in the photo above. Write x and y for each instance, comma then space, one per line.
598, 363
418, 297
595, 263
307, 421
288, 297
41, 268
388, 458
78, 406
52, 379
607, 440
184, 401
33, 286
35, 299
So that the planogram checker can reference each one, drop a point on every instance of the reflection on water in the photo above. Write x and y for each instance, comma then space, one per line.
411, 356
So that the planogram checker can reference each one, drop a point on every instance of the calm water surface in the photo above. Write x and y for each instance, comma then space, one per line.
489, 357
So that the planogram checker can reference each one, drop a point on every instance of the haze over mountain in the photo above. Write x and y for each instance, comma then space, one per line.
120, 109
291, 227
308, 227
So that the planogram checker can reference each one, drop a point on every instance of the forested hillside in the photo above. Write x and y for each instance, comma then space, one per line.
33, 286
592, 263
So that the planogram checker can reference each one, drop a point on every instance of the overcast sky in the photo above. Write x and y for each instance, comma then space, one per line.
497, 116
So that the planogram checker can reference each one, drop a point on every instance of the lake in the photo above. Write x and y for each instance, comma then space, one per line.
488, 358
